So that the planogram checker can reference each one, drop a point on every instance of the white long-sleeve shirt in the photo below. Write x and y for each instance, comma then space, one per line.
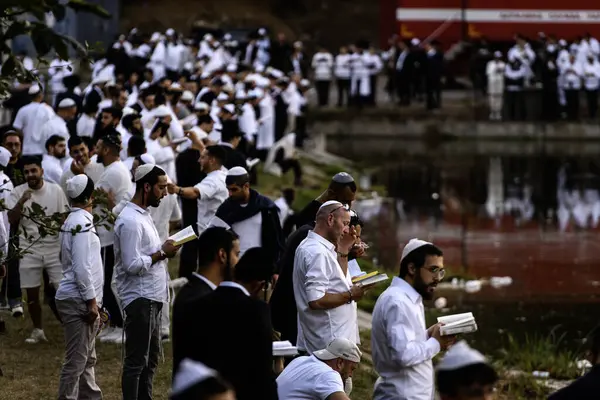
115, 178
342, 69
30, 120
53, 168
322, 63
6, 187
591, 75
83, 273
402, 349
136, 239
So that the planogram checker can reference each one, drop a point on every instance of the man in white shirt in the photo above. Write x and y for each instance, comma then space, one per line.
52, 162
79, 295
80, 163
402, 346
211, 192
43, 251
322, 64
115, 182
322, 287
141, 278
6, 188
57, 124
30, 120
321, 375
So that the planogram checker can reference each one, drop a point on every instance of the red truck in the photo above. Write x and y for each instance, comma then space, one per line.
451, 21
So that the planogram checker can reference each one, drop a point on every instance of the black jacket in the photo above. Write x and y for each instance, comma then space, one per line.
184, 318
234, 158
584, 388
233, 335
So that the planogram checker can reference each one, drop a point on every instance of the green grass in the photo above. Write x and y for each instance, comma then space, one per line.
522, 388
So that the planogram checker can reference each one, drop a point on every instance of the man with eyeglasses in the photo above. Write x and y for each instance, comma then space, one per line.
403, 348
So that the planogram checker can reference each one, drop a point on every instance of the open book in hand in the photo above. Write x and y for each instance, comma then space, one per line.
183, 236
369, 279
457, 323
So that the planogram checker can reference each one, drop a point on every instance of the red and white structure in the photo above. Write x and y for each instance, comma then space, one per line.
452, 20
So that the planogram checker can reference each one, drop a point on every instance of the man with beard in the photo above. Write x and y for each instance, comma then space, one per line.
141, 280
80, 163
132, 125
107, 122
52, 162
43, 251
402, 346
210, 193
219, 250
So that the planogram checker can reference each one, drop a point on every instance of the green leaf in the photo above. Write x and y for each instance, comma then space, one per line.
9, 66
16, 28
60, 46
36, 208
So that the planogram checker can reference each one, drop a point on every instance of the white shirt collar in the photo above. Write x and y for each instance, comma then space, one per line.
330, 246
410, 292
235, 285
208, 282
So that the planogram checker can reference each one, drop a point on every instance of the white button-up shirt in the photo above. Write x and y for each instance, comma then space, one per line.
53, 168
402, 349
30, 120
213, 192
136, 239
117, 179
317, 272
83, 273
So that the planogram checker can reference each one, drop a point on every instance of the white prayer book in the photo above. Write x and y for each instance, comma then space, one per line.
180, 140
457, 323
284, 348
251, 162
184, 236
370, 279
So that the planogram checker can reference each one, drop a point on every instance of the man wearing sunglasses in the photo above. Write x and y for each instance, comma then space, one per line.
403, 348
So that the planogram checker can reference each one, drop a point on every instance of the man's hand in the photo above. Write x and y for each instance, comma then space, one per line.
196, 143
444, 341
26, 196
77, 168
348, 241
92, 313
170, 249
172, 188
358, 291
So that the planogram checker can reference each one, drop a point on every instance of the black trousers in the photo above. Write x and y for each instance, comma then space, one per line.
10, 287
343, 92
434, 94
142, 348
572, 97
372, 98
403, 88
592, 102
109, 300
323, 92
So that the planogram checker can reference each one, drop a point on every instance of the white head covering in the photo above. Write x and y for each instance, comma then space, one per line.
66, 103
161, 111
231, 68
4, 156
415, 41
170, 32
330, 203
460, 355
201, 106
187, 96
147, 159
34, 89
189, 374
339, 348
222, 97
237, 171
143, 170
76, 185
412, 245
200, 134
230, 108
128, 110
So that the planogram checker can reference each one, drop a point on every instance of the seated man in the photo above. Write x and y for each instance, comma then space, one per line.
321, 375
464, 374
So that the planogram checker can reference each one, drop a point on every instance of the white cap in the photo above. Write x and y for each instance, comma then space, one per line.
415, 41
412, 245
4, 156
260, 68
222, 97
200, 134
128, 110
460, 355
155, 37
497, 54
189, 374
161, 111
227, 37
241, 95
331, 203
305, 83
339, 348
34, 89
170, 32
143, 170
205, 75
562, 42
144, 85
277, 74
201, 106
147, 159
231, 68
237, 171
76, 185
208, 36
262, 31
187, 96
230, 108
257, 93
66, 103
175, 86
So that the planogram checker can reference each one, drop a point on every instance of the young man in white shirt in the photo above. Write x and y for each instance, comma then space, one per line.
141, 277
322, 375
11, 293
403, 348
79, 295
80, 163
52, 162
115, 181
323, 288
42, 252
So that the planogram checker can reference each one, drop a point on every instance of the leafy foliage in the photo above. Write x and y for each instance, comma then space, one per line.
14, 22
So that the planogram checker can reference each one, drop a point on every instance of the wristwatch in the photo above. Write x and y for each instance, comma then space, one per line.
350, 293
180, 191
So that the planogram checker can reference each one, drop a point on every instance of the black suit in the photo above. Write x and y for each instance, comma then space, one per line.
233, 334
234, 158
187, 297
283, 303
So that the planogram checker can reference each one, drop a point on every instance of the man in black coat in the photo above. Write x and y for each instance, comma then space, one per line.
233, 332
219, 250
231, 137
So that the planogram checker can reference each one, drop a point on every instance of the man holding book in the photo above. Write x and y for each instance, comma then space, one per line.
402, 345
